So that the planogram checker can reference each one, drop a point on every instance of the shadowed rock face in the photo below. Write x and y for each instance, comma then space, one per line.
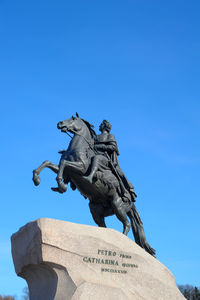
63, 261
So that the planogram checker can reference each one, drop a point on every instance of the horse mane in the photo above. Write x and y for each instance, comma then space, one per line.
90, 127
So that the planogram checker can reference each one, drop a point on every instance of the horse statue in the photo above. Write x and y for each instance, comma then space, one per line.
103, 191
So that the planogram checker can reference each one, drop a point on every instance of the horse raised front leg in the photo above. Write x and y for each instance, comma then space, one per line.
62, 187
45, 164
69, 166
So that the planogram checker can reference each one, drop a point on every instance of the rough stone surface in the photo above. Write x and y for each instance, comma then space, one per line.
63, 261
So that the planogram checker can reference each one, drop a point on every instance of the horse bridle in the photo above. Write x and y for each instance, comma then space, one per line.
92, 148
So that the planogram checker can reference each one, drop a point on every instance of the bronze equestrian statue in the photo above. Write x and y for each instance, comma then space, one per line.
90, 164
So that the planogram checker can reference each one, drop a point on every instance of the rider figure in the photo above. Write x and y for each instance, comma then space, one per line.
106, 154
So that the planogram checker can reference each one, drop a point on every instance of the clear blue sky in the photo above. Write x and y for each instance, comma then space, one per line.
135, 63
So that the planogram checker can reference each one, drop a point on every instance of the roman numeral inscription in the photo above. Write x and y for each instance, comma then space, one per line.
111, 261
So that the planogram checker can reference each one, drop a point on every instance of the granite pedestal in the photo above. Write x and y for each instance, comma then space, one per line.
66, 261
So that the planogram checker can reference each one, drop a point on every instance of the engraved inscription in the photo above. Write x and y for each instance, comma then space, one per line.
112, 259
106, 252
100, 261
113, 271
124, 256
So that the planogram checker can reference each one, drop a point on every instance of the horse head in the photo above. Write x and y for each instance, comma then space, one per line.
76, 125
73, 124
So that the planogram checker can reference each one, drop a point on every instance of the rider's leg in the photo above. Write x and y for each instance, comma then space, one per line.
119, 209
96, 160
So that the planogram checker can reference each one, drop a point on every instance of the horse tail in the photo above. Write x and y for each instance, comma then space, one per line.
138, 231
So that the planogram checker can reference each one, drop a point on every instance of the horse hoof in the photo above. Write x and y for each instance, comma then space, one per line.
56, 189
36, 178
62, 187
126, 229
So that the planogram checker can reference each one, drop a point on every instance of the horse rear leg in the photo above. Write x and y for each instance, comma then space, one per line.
120, 211
97, 212
45, 164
